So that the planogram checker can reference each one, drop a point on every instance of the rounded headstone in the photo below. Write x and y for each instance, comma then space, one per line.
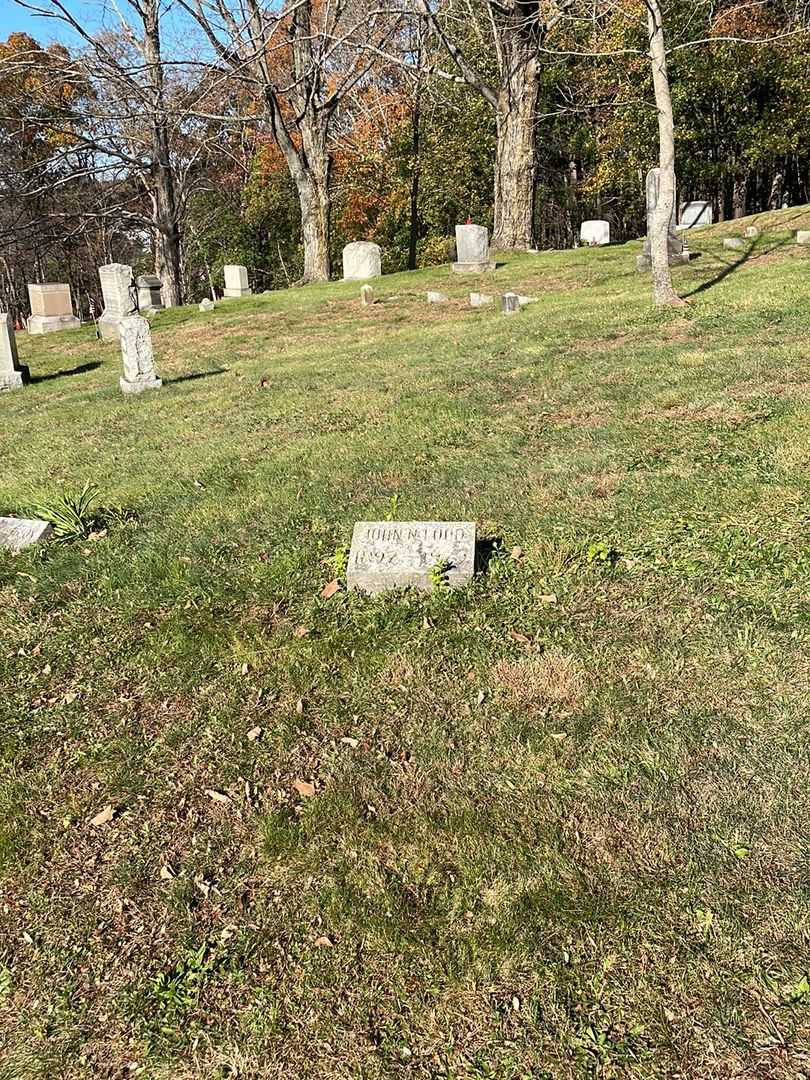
362, 260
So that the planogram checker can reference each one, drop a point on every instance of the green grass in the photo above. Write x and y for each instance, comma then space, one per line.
560, 820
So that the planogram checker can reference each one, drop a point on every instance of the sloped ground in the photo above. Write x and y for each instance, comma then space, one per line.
552, 825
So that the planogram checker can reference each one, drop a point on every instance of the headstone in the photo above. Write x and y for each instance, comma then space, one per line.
394, 554
751, 233
524, 300
139, 359
510, 303
207, 304
733, 243
149, 295
366, 295
803, 236
594, 233
696, 213
236, 281
19, 533
12, 373
675, 246
51, 309
472, 250
362, 260
480, 299
116, 287
436, 297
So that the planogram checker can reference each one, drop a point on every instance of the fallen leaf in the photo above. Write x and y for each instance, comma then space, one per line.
516, 635
217, 796
427, 623
517, 552
245, 668
254, 734
304, 789
353, 743
547, 598
46, 670
299, 706
103, 817
481, 696
264, 383
166, 873
329, 590
302, 631
324, 943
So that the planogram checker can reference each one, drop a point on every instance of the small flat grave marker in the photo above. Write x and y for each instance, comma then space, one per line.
394, 554
19, 533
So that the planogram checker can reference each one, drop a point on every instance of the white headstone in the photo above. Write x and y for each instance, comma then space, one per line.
19, 533
695, 213
51, 309
207, 304
751, 233
480, 299
362, 260
594, 233
139, 359
366, 295
394, 554
236, 281
803, 236
12, 374
472, 250
733, 243
116, 287
510, 303
149, 295
436, 297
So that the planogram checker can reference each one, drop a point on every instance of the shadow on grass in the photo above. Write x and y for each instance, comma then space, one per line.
753, 251
80, 370
195, 375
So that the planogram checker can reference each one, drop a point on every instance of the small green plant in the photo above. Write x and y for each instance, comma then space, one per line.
71, 514
178, 990
393, 507
438, 575
340, 560
602, 552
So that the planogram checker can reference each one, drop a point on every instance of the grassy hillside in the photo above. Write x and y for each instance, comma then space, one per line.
551, 825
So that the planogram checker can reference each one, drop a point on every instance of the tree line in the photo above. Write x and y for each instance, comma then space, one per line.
180, 135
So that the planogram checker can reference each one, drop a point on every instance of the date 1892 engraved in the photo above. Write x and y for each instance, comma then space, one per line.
393, 554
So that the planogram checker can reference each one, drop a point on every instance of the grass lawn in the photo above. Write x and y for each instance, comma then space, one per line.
555, 824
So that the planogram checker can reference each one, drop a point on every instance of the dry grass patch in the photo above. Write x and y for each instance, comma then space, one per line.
555, 678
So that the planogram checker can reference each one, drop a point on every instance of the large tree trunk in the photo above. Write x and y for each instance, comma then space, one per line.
663, 292
515, 159
313, 195
164, 197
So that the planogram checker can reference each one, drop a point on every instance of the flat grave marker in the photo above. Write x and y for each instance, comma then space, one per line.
395, 554
19, 533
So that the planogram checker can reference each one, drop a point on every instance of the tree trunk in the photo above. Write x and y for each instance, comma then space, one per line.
515, 159
164, 198
739, 196
663, 292
313, 195
413, 237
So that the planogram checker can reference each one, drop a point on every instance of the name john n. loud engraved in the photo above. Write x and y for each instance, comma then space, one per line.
394, 554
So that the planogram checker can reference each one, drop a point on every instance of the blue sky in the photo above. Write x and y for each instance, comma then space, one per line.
14, 18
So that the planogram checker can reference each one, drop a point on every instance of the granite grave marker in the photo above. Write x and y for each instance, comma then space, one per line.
394, 554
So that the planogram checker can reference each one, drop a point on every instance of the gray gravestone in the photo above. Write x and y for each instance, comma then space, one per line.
394, 554
696, 213
803, 236
366, 295
752, 233
149, 295
480, 299
472, 250
436, 297
510, 303
362, 260
139, 359
116, 287
733, 243
12, 373
675, 246
207, 305
19, 533
51, 309
236, 281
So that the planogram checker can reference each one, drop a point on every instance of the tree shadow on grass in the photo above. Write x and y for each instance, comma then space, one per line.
80, 370
754, 251
194, 375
